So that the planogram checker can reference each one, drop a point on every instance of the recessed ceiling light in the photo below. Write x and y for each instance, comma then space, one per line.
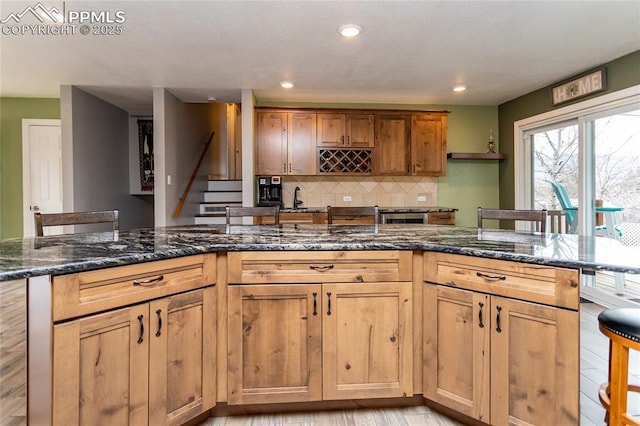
350, 30
211, 99
459, 89
287, 84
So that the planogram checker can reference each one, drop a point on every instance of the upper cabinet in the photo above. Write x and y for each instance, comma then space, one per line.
411, 144
356, 142
428, 145
345, 130
392, 154
285, 143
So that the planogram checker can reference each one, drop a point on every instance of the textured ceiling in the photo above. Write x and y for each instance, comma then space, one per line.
409, 52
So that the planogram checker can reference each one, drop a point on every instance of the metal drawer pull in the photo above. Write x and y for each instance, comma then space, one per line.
480, 314
498, 329
328, 303
321, 268
491, 277
149, 281
159, 322
140, 317
315, 304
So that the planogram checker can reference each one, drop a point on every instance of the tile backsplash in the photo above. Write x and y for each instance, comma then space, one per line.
384, 191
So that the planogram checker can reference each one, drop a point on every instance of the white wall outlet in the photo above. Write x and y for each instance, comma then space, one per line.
346, 198
168, 179
422, 198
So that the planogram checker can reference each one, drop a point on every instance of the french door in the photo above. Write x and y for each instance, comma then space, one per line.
592, 150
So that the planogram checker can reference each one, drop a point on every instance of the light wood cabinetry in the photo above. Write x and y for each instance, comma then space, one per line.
319, 325
392, 155
149, 363
411, 144
345, 130
292, 218
500, 340
441, 218
285, 143
351, 142
428, 145
274, 344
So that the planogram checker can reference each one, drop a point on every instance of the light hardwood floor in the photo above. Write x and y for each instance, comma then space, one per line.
412, 416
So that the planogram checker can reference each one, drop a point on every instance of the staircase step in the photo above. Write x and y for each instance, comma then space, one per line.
222, 197
224, 185
216, 208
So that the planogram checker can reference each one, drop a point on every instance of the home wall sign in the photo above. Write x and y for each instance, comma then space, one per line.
145, 148
578, 87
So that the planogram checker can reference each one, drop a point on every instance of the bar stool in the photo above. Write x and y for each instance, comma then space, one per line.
622, 327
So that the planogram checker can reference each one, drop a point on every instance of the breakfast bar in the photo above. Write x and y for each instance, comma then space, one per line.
172, 325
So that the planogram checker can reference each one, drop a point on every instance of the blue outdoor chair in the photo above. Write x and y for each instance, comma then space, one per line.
571, 211
572, 221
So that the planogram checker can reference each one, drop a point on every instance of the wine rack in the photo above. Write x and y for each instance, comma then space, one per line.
344, 161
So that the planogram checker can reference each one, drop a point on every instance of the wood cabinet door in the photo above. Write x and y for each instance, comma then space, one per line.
100, 369
367, 340
456, 334
301, 144
359, 130
182, 364
271, 144
392, 154
534, 364
274, 345
428, 145
331, 130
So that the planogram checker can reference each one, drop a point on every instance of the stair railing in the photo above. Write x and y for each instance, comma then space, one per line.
176, 212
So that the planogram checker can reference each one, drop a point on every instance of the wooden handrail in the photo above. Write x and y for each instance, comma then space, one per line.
176, 213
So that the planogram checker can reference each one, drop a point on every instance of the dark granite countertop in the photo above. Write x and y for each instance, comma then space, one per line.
383, 210
55, 255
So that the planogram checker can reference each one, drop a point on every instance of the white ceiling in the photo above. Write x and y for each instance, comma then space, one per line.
409, 52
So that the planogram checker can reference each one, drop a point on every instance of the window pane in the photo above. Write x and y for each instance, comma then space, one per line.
555, 159
617, 163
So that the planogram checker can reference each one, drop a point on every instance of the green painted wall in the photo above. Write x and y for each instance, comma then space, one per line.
468, 184
622, 73
12, 111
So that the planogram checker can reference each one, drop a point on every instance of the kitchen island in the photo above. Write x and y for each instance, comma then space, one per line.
226, 281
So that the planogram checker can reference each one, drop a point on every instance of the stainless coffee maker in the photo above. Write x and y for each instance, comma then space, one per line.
270, 191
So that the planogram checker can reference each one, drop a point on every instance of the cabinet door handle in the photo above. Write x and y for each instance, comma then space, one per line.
321, 268
289, 167
140, 339
342, 139
284, 167
348, 140
149, 281
498, 329
414, 169
315, 304
480, 314
158, 312
491, 277
328, 303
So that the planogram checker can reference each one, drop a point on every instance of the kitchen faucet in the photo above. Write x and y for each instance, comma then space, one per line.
296, 202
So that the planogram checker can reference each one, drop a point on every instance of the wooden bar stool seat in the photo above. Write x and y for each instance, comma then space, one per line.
622, 327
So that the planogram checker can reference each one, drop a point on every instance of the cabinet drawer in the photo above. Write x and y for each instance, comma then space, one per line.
89, 292
536, 283
319, 266
441, 218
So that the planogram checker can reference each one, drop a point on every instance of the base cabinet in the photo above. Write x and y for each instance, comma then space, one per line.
494, 358
151, 363
309, 342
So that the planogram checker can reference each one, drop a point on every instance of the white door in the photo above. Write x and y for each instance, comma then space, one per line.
41, 170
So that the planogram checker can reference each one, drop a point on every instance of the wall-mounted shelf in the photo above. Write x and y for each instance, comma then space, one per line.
475, 156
